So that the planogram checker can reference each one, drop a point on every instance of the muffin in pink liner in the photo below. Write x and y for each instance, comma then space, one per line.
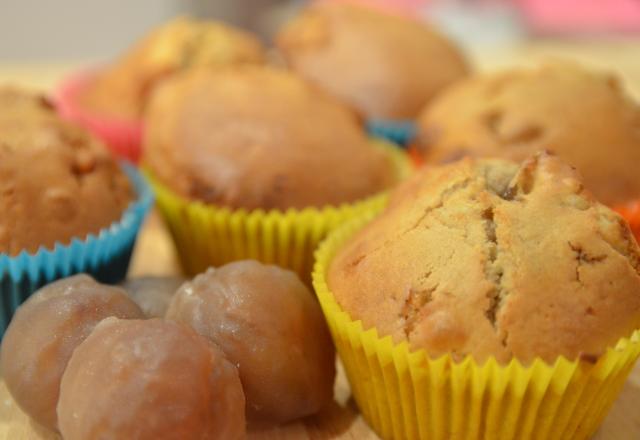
111, 101
122, 136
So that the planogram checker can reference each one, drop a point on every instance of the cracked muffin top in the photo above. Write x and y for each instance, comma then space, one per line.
258, 137
584, 117
123, 89
386, 66
488, 258
56, 181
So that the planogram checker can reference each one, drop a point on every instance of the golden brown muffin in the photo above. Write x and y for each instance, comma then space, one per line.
488, 258
257, 137
384, 65
56, 181
582, 116
122, 90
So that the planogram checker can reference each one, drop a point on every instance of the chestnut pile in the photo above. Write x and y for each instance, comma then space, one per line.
239, 345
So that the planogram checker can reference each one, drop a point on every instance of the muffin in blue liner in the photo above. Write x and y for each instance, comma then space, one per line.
398, 132
104, 256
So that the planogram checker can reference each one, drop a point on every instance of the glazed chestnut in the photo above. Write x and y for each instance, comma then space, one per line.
150, 379
269, 324
43, 334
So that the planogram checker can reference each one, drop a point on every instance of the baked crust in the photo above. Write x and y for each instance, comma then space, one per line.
488, 258
582, 116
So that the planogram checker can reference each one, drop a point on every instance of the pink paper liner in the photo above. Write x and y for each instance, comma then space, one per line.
581, 16
122, 136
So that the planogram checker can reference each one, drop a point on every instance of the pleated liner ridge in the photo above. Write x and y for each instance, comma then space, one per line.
208, 235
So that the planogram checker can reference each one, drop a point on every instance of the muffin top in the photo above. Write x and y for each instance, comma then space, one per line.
488, 258
257, 137
56, 181
584, 117
123, 88
386, 66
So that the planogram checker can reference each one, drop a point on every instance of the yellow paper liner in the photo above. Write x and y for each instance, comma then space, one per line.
207, 235
408, 395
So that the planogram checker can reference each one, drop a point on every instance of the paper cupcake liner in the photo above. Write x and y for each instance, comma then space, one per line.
631, 213
206, 235
408, 395
122, 136
399, 132
104, 256
416, 157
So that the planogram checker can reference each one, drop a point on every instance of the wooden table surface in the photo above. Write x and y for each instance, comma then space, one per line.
155, 255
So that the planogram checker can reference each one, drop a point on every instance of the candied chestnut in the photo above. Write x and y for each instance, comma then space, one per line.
269, 324
43, 334
150, 379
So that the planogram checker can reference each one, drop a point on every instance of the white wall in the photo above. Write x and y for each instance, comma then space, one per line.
46, 30
60, 30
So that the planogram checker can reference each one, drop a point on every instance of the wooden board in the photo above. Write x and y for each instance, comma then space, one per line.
154, 254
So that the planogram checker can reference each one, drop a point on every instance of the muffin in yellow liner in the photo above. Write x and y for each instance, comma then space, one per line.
408, 395
208, 235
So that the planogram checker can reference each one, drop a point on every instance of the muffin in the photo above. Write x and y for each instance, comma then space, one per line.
584, 117
257, 137
56, 181
67, 206
123, 88
489, 299
110, 101
513, 262
386, 66
254, 163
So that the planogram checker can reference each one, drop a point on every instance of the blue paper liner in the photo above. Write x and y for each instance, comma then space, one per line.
399, 132
104, 256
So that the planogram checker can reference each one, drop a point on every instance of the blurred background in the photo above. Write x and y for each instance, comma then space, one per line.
33, 30
493, 32
73, 29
